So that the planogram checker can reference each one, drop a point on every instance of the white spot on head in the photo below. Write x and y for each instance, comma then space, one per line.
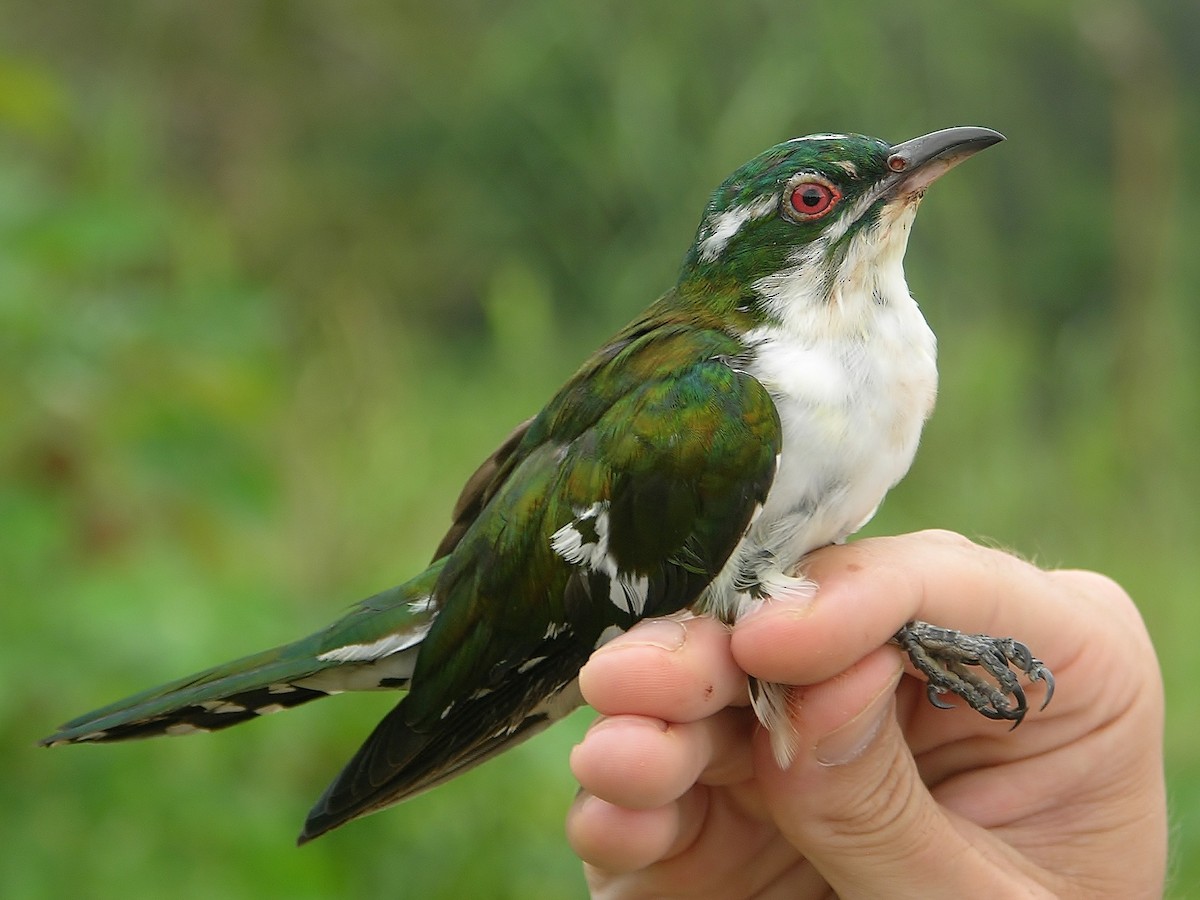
848, 167
725, 225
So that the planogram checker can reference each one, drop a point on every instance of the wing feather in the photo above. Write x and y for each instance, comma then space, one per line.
622, 500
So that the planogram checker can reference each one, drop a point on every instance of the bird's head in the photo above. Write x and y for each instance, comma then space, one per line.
815, 218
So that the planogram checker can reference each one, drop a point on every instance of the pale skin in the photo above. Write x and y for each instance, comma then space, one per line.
888, 796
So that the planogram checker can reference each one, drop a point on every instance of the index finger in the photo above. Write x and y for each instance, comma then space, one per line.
676, 670
868, 589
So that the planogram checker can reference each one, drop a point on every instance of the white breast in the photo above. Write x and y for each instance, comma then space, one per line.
853, 378
852, 411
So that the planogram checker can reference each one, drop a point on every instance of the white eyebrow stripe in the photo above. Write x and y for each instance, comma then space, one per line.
727, 224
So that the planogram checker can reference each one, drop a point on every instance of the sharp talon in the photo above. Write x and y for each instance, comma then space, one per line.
935, 697
1045, 676
1022, 704
982, 670
1019, 717
1022, 657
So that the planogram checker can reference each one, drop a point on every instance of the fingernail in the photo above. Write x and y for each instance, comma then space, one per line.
667, 634
849, 742
603, 723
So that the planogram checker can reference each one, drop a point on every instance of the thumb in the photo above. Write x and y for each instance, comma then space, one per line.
853, 802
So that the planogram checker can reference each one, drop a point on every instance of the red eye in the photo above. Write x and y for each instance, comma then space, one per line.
812, 199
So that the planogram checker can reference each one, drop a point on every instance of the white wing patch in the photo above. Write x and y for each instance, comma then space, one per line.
584, 543
629, 592
570, 543
385, 646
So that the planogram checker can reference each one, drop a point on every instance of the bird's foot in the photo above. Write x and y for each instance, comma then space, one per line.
956, 663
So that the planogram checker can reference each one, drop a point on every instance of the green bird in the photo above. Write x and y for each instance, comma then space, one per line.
758, 410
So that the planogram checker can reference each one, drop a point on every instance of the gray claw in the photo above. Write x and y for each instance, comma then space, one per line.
1023, 658
1041, 673
934, 693
952, 662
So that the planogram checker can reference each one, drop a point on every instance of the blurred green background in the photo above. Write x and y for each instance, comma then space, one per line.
274, 276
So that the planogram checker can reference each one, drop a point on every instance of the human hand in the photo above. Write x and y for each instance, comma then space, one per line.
888, 796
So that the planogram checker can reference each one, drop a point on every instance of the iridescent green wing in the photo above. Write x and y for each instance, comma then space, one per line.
623, 500
643, 476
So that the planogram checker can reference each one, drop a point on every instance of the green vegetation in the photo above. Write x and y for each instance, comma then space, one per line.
275, 276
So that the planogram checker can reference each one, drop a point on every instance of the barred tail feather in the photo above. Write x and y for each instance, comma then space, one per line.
208, 701
373, 646
399, 761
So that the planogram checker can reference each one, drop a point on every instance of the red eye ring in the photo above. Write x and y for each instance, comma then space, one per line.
810, 198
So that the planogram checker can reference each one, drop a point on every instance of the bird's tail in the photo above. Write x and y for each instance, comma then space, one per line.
399, 761
373, 646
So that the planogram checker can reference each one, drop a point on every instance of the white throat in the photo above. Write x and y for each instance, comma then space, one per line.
851, 365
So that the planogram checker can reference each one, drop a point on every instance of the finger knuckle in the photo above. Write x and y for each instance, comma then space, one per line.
878, 813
